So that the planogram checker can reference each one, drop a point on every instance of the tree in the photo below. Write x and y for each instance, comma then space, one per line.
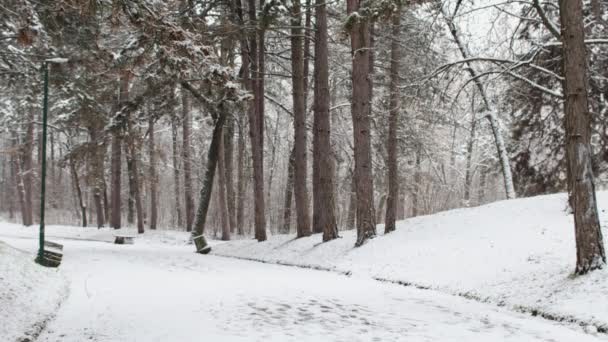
322, 151
393, 122
358, 25
589, 241
299, 121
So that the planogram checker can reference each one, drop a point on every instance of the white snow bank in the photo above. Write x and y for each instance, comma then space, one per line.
519, 253
29, 294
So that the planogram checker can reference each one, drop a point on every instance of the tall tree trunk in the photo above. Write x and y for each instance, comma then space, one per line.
289, 186
229, 171
97, 169
221, 170
256, 123
488, 110
323, 164
131, 179
299, 122
590, 253
83, 207
116, 156
361, 112
176, 176
481, 193
27, 173
351, 217
153, 176
240, 187
132, 151
393, 124
212, 161
187, 160
18, 179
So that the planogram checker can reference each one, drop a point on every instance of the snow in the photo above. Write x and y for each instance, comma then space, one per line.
29, 294
518, 253
508, 256
159, 292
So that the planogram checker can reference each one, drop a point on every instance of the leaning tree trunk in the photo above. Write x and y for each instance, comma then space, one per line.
83, 207
323, 165
393, 123
590, 253
187, 160
359, 30
299, 122
468, 176
488, 109
212, 161
229, 171
153, 176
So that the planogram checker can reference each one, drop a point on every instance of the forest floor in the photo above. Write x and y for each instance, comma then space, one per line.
154, 291
508, 259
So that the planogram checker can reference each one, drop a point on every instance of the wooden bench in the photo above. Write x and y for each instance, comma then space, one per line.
52, 254
124, 239
201, 245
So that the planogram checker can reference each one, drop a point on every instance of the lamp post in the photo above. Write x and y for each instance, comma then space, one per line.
45, 70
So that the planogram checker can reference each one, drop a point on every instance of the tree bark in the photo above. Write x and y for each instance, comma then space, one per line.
323, 164
19, 179
153, 175
393, 123
115, 220
299, 122
187, 160
229, 171
83, 207
289, 186
240, 187
212, 161
590, 253
359, 27
27, 173
221, 170
176, 175
468, 176
256, 123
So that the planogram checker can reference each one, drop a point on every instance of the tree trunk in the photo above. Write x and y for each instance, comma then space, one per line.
417, 183
323, 164
352, 202
361, 112
97, 169
153, 176
187, 160
393, 124
27, 173
178, 206
229, 171
289, 186
488, 110
221, 170
116, 157
299, 122
240, 187
256, 124
590, 251
132, 153
212, 161
18, 180
83, 207
468, 176
131, 179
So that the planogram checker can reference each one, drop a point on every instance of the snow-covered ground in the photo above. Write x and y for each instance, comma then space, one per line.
161, 292
29, 294
519, 253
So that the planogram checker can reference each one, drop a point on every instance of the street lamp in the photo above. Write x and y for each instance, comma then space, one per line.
40, 259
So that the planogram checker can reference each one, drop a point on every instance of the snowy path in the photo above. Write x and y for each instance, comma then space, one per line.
160, 293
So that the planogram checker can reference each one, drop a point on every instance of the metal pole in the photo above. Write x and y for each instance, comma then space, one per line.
43, 163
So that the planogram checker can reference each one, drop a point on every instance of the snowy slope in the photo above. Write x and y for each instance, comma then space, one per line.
516, 253
29, 294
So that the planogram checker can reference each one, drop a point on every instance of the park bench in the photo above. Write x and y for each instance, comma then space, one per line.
201, 245
124, 239
51, 254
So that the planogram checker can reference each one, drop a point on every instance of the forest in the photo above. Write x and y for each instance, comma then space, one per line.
239, 119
